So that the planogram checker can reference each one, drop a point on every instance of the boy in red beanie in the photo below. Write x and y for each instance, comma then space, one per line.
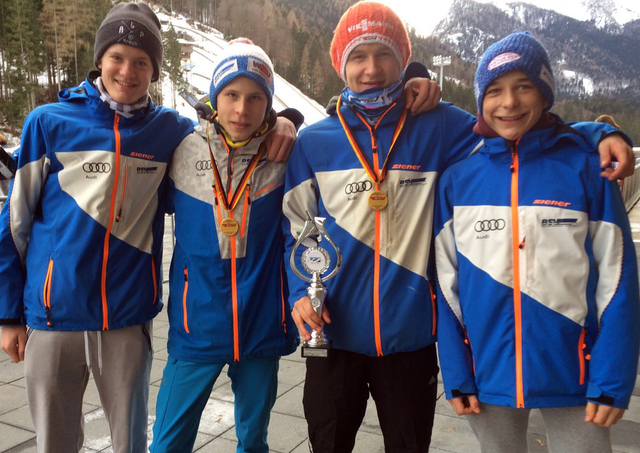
371, 171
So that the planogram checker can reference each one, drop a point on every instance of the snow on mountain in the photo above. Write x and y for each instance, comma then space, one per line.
424, 16
206, 47
602, 12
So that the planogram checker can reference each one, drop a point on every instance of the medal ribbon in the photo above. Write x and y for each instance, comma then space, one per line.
376, 177
230, 200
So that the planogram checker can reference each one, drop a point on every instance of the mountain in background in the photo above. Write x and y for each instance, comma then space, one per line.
594, 52
595, 57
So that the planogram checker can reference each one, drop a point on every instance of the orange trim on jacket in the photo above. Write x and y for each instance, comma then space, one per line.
517, 303
184, 300
112, 208
46, 293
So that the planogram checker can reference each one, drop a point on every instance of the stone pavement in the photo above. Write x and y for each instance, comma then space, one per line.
287, 431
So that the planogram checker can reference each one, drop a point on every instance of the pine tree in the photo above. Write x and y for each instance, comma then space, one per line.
21, 58
172, 62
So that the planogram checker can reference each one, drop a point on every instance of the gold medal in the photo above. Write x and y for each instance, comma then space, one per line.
229, 226
378, 200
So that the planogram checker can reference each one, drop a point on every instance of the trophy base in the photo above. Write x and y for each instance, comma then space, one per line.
315, 351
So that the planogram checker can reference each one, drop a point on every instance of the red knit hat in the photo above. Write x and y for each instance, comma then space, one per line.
366, 23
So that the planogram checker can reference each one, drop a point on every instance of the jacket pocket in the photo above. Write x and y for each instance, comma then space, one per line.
46, 293
581, 355
154, 279
184, 300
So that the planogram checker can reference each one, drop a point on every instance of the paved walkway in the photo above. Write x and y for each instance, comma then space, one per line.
287, 433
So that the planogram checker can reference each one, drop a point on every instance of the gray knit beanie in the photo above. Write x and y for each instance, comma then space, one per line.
135, 25
521, 51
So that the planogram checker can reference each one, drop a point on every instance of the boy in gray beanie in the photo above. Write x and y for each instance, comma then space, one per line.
537, 274
81, 239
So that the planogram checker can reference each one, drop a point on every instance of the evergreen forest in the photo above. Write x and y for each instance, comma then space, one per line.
47, 45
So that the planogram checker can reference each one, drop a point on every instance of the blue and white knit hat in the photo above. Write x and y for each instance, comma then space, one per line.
521, 51
242, 57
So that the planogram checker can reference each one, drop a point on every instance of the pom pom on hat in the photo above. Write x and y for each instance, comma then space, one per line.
367, 23
135, 25
520, 51
242, 57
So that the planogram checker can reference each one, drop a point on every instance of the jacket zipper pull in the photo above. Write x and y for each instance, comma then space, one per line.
47, 311
521, 245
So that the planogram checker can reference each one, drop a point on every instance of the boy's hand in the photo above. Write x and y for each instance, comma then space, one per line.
14, 339
601, 415
465, 405
303, 313
280, 142
614, 147
421, 95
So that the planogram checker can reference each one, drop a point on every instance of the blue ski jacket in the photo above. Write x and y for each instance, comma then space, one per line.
537, 276
81, 232
227, 299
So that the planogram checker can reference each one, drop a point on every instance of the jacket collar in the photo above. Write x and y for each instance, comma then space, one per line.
391, 118
87, 93
537, 141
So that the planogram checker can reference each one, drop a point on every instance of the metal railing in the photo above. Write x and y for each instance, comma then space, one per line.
631, 185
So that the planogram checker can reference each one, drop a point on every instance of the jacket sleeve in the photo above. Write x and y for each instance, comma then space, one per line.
17, 216
614, 356
456, 131
300, 197
454, 351
594, 133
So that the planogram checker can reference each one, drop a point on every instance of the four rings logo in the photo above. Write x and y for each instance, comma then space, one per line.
97, 167
355, 187
489, 225
203, 165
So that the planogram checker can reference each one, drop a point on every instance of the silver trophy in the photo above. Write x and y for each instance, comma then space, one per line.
316, 262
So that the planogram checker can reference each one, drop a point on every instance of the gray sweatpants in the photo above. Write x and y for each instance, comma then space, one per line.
57, 372
504, 430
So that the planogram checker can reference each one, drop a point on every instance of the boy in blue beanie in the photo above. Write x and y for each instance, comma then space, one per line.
537, 275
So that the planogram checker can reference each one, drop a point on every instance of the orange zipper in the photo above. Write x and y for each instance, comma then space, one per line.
184, 300
105, 258
284, 318
234, 297
46, 293
153, 277
124, 191
376, 261
581, 348
467, 341
517, 303
434, 312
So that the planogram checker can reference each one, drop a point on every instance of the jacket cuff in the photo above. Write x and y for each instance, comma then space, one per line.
11, 322
465, 388
596, 395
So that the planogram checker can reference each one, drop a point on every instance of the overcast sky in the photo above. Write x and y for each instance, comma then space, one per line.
424, 15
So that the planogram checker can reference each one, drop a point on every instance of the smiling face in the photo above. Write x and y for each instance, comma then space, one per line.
242, 106
371, 66
126, 73
512, 105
